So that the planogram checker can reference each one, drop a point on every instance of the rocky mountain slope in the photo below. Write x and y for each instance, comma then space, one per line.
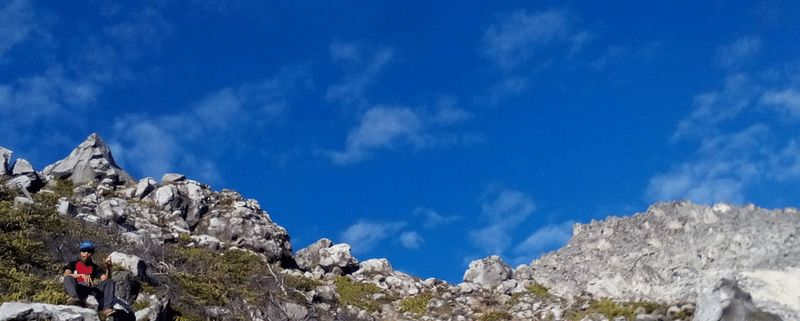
186, 252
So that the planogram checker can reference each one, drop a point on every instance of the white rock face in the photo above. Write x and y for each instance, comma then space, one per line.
19, 311
170, 178
130, 262
674, 250
488, 272
144, 187
22, 167
5, 158
90, 161
166, 195
727, 302
337, 256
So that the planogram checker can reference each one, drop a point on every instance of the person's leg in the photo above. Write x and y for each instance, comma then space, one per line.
70, 286
104, 292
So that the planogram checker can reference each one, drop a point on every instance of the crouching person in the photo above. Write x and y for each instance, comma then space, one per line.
81, 280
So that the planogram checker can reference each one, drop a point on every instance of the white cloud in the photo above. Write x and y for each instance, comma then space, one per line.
364, 235
145, 31
787, 101
447, 114
546, 238
716, 107
411, 240
697, 183
17, 23
492, 239
193, 138
381, 127
520, 35
433, 218
723, 167
743, 135
509, 85
508, 207
612, 53
147, 147
503, 211
362, 66
740, 51
391, 128
48, 95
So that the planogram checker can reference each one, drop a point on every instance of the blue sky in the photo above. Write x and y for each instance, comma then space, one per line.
431, 133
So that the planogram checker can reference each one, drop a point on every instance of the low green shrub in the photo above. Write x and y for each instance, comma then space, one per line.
417, 304
301, 283
356, 294
495, 316
64, 188
16, 285
538, 289
140, 305
204, 289
612, 310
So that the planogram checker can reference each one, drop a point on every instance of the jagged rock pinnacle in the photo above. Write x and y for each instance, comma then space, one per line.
90, 161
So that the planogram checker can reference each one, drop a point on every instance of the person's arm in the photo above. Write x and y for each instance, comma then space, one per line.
69, 270
107, 273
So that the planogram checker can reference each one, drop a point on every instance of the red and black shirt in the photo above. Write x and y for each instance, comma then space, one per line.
93, 270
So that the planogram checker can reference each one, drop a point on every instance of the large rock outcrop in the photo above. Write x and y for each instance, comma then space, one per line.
727, 302
327, 256
675, 250
488, 272
91, 161
18, 311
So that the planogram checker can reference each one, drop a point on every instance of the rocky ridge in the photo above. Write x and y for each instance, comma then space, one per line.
715, 263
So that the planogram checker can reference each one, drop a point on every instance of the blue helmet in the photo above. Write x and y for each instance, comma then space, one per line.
87, 246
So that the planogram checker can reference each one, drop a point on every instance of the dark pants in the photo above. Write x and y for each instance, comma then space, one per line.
103, 292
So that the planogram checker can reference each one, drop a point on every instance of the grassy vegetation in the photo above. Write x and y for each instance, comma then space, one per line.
538, 289
417, 304
612, 310
301, 283
357, 294
25, 258
495, 316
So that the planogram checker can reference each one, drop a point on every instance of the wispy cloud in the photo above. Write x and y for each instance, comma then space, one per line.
381, 127
736, 149
411, 240
739, 52
503, 210
786, 102
713, 108
195, 137
520, 36
365, 235
723, 167
521, 41
362, 65
393, 128
546, 238
432, 219
67, 78
144, 30
17, 24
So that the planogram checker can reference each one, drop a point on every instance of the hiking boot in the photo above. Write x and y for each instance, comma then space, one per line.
75, 302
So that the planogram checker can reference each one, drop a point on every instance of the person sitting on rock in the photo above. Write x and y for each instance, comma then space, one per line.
80, 280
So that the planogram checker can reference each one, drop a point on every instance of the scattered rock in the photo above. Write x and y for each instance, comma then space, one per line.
5, 157
727, 302
488, 272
